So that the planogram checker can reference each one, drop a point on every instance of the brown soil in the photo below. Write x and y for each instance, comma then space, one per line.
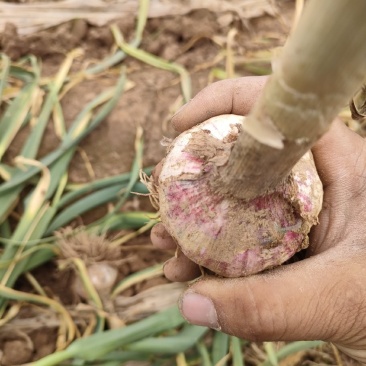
110, 149
150, 103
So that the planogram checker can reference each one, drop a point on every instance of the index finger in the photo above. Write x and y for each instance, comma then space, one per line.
232, 96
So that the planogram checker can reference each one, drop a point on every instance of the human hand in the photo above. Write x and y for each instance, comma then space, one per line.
321, 297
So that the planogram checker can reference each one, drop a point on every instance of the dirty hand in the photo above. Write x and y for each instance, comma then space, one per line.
322, 297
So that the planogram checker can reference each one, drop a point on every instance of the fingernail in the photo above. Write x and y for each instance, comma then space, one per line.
199, 310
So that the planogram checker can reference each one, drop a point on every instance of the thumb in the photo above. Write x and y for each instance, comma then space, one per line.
307, 300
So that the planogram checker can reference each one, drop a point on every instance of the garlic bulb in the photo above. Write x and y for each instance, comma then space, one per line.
225, 234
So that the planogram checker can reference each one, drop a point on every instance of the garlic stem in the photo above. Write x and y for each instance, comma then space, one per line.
320, 68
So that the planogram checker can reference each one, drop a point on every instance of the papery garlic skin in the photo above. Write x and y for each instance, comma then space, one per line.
102, 276
229, 236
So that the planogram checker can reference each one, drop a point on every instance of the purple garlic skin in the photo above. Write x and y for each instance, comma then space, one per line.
229, 236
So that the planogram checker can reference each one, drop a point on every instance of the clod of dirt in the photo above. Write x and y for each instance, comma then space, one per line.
11, 44
16, 348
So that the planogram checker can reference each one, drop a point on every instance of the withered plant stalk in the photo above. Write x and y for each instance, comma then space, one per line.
321, 66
